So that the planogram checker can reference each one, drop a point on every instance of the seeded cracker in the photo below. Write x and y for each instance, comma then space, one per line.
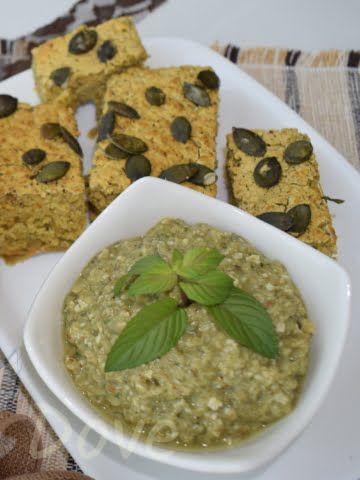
169, 129
41, 185
288, 187
74, 68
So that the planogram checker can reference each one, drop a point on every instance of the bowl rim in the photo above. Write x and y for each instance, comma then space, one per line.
191, 460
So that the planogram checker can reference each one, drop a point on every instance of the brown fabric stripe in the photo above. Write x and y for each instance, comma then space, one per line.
291, 89
354, 59
292, 57
21, 453
233, 54
155, 4
53, 454
281, 56
226, 52
57, 27
103, 12
52, 475
15, 55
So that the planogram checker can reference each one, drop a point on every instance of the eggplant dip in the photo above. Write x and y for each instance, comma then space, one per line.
187, 336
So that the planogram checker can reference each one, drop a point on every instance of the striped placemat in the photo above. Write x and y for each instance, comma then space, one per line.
323, 87
290, 58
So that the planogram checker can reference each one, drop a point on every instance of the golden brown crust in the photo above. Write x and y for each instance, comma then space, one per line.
88, 75
20, 132
107, 177
299, 184
38, 217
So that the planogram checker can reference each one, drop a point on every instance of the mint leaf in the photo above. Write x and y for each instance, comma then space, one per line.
151, 333
245, 320
148, 283
149, 264
121, 283
176, 261
197, 261
155, 276
208, 289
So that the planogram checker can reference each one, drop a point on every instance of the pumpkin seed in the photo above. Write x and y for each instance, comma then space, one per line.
129, 144
209, 79
60, 76
267, 172
123, 109
196, 94
181, 129
106, 125
155, 96
50, 130
33, 156
301, 215
137, 166
114, 152
71, 141
106, 51
204, 176
83, 41
52, 171
8, 105
179, 173
298, 152
249, 142
281, 220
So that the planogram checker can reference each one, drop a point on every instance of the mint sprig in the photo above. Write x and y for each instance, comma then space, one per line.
149, 275
195, 262
150, 334
121, 283
245, 320
148, 264
158, 327
156, 276
211, 288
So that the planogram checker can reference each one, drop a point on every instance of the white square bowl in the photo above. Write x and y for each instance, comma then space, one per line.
324, 285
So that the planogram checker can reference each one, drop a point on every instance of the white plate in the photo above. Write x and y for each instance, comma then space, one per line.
323, 284
329, 447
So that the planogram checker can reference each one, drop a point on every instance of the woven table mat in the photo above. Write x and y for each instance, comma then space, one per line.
323, 87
